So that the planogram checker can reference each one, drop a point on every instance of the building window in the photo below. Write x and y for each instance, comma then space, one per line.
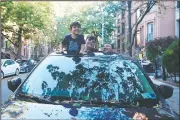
118, 29
178, 4
24, 51
150, 28
118, 44
123, 28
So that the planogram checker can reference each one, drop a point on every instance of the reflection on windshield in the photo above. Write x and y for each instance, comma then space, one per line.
96, 78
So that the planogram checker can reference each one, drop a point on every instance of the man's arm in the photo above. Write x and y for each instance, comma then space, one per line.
82, 48
61, 47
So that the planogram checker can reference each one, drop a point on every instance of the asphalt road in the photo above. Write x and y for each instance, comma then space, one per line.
5, 92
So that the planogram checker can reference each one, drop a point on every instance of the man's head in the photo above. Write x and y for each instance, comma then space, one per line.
107, 48
90, 42
75, 28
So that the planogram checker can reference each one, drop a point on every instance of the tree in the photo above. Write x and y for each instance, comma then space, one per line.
24, 19
152, 52
93, 19
145, 7
156, 48
170, 58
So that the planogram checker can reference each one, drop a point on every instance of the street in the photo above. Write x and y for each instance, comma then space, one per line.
4, 87
173, 101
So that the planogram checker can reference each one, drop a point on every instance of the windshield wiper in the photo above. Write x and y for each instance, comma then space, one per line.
35, 98
108, 103
147, 102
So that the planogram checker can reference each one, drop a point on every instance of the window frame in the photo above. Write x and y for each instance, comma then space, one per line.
151, 24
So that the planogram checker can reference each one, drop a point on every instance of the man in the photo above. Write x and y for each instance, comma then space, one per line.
108, 49
90, 44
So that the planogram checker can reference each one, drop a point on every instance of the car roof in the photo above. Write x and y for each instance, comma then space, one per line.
57, 53
5, 59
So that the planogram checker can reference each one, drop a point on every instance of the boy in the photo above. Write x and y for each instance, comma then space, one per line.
90, 44
74, 43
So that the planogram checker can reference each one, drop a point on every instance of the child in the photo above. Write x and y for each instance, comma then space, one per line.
90, 44
74, 43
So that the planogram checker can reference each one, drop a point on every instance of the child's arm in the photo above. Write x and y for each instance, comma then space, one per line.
63, 44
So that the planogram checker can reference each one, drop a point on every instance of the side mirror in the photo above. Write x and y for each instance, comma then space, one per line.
166, 91
14, 83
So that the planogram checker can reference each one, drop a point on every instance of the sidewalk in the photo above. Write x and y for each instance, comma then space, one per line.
174, 100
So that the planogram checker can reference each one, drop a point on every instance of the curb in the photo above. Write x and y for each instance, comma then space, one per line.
168, 82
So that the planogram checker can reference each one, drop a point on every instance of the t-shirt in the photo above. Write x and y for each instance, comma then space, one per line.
73, 45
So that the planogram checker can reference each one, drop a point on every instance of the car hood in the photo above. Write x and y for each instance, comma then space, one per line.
28, 110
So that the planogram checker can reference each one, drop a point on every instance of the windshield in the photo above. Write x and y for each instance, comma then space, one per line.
105, 78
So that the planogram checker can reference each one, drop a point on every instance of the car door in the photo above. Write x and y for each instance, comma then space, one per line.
7, 68
12, 66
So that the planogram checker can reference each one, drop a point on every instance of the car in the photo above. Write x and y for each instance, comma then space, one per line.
149, 69
27, 66
94, 86
9, 67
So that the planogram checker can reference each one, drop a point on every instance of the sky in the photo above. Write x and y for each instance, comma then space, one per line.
62, 8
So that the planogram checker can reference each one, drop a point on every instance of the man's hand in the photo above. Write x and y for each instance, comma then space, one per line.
82, 52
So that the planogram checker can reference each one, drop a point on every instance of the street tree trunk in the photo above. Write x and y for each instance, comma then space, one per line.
96, 36
156, 75
164, 73
175, 77
19, 43
129, 26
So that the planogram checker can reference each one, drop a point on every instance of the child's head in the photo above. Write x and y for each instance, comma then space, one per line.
75, 28
90, 41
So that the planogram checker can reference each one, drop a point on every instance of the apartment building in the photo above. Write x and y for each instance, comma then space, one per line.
159, 22
121, 32
177, 19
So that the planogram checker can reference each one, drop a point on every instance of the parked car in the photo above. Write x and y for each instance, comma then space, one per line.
9, 67
88, 87
28, 65
149, 69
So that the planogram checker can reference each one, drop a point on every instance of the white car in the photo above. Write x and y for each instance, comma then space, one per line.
9, 67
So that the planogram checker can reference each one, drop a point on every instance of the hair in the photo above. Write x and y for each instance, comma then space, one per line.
111, 45
91, 37
75, 24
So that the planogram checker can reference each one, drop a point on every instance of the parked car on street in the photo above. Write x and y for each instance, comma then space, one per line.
88, 87
27, 65
9, 67
149, 69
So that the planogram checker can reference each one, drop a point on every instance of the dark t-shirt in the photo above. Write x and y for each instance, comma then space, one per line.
73, 45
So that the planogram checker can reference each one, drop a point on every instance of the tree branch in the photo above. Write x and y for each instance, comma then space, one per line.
150, 4
9, 40
135, 10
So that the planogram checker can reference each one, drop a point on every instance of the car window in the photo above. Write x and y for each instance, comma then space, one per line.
87, 78
7, 62
12, 62
148, 68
